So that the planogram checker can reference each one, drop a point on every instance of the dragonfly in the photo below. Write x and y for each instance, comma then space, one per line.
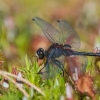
65, 43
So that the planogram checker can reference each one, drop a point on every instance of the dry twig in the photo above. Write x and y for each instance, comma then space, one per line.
6, 74
14, 82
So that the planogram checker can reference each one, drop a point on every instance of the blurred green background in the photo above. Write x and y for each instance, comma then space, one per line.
21, 36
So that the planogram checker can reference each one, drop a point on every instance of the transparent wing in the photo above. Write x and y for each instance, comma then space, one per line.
77, 63
50, 70
50, 32
68, 35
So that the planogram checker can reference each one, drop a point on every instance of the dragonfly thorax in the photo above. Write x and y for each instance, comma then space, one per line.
61, 46
67, 46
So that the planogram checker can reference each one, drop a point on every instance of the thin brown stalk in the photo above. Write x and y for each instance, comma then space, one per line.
25, 81
14, 82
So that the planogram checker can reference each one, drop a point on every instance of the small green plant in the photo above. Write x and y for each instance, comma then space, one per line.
36, 88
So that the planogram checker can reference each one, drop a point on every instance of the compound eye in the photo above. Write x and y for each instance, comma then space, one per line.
40, 53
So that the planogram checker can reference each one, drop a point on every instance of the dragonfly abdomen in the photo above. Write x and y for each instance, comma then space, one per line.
86, 53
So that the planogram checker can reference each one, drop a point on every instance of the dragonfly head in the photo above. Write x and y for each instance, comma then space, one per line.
40, 53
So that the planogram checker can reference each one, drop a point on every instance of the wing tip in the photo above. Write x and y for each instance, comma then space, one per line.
33, 19
58, 20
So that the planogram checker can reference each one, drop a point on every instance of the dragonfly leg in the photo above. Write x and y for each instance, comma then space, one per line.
39, 72
48, 60
46, 65
60, 65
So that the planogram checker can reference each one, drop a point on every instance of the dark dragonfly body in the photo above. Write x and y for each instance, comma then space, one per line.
65, 42
58, 50
86, 53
